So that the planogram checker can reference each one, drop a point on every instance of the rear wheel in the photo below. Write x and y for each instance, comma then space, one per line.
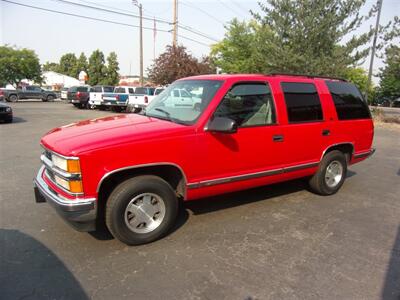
50, 98
13, 98
330, 175
141, 210
116, 109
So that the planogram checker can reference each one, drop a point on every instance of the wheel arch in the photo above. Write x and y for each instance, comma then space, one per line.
346, 147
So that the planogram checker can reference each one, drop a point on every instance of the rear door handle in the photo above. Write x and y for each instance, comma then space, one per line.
277, 138
326, 132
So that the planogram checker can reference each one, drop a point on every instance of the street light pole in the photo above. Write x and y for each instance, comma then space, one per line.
371, 63
139, 5
175, 31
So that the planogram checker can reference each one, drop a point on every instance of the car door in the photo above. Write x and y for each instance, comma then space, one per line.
305, 134
37, 93
26, 93
251, 152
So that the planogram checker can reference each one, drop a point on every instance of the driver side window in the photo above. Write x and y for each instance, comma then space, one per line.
248, 104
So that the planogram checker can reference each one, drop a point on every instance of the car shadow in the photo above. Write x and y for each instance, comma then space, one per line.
391, 287
18, 120
28, 269
211, 204
350, 173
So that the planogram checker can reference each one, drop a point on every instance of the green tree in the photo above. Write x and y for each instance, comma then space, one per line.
97, 70
18, 64
67, 65
112, 77
50, 66
81, 65
359, 77
305, 36
389, 84
176, 63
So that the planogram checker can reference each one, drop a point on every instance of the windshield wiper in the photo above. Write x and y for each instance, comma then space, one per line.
164, 111
168, 117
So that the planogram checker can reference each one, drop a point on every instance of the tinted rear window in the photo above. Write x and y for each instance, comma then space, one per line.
72, 89
119, 90
97, 89
302, 102
348, 101
141, 91
108, 89
158, 91
82, 89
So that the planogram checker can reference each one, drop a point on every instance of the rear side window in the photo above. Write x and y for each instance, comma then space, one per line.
348, 101
302, 102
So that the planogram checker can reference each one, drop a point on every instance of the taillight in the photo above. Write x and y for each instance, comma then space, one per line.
78, 94
117, 97
146, 100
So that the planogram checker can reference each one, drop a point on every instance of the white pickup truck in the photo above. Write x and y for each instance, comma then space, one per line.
142, 97
96, 95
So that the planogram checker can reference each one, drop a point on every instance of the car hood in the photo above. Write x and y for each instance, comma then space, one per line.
76, 138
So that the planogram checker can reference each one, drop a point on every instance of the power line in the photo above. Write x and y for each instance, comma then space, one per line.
230, 8
188, 28
96, 19
191, 5
110, 11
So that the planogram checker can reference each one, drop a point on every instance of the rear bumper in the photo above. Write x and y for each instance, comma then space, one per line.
364, 154
80, 213
6, 116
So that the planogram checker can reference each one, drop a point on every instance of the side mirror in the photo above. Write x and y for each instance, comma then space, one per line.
222, 125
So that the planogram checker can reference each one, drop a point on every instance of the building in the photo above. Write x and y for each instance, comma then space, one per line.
56, 81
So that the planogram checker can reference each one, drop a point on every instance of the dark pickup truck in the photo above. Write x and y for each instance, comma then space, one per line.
79, 96
29, 92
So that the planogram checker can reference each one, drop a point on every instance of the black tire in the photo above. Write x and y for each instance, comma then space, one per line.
13, 98
116, 109
318, 183
50, 98
123, 194
77, 105
102, 107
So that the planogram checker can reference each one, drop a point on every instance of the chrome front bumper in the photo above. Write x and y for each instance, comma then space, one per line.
80, 213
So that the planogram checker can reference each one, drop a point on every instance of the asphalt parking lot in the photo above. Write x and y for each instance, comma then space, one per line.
277, 242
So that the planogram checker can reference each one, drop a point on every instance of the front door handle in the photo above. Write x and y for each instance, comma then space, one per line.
277, 138
326, 132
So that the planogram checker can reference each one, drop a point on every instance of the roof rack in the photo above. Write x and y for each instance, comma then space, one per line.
306, 75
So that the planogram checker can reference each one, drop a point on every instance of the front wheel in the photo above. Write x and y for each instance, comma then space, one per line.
13, 98
141, 210
49, 98
330, 175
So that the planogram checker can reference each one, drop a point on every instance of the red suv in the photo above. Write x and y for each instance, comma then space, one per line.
233, 132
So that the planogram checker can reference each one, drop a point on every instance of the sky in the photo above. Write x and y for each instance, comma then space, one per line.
51, 35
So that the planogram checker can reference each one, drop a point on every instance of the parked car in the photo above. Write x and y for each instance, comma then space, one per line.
29, 92
2, 94
396, 103
6, 113
96, 95
142, 98
118, 100
64, 94
131, 171
79, 96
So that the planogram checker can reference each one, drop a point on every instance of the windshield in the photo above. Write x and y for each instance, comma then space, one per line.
183, 101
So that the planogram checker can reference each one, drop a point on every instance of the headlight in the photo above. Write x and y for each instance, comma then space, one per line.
68, 165
8, 109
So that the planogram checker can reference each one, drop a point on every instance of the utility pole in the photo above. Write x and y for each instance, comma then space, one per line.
175, 31
139, 5
371, 63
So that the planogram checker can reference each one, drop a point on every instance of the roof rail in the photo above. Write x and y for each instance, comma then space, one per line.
306, 75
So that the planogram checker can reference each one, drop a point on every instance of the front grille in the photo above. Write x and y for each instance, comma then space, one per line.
47, 153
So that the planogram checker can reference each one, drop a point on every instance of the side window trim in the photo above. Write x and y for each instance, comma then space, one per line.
273, 104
